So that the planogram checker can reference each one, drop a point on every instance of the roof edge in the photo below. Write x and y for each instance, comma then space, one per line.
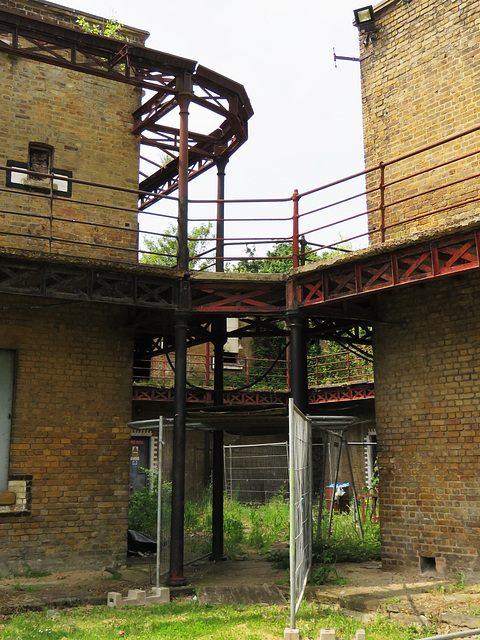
383, 5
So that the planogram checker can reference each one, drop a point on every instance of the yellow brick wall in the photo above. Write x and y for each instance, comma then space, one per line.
69, 433
87, 120
420, 81
426, 386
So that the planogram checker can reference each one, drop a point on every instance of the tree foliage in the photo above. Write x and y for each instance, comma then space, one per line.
280, 260
162, 250
111, 28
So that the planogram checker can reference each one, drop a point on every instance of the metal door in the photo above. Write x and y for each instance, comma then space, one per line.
7, 372
139, 461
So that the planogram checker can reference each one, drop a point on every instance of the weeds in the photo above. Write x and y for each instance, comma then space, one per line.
259, 527
28, 572
345, 543
29, 588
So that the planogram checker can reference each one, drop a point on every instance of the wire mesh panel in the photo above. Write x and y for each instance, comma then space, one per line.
256, 472
300, 473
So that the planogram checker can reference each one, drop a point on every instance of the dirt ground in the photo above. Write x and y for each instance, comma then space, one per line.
407, 597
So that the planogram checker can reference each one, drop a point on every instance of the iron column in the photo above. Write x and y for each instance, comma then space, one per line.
219, 329
176, 577
298, 359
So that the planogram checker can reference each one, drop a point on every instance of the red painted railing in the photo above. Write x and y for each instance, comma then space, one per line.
395, 198
326, 369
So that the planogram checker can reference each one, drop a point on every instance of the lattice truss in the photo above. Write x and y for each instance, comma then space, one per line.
439, 257
162, 75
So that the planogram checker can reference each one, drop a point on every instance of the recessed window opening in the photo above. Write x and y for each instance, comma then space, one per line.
427, 565
39, 160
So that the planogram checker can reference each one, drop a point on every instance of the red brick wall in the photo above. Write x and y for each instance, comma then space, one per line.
72, 403
427, 349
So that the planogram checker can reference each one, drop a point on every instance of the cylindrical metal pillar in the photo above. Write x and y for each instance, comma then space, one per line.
295, 240
176, 577
298, 359
183, 100
219, 328
183, 84
220, 245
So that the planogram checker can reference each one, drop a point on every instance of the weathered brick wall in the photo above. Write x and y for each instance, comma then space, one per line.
427, 350
69, 433
420, 82
87, 121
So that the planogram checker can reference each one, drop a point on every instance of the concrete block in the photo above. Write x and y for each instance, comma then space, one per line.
327, 634
138, 598
360, 634
291, 634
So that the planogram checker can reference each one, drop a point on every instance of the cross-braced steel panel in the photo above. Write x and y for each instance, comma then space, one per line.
439, 257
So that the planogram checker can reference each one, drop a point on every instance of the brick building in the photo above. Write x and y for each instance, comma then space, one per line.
71, 288
65, 450
420, 86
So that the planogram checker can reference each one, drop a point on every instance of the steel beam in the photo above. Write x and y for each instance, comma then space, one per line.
392, 268
323, 395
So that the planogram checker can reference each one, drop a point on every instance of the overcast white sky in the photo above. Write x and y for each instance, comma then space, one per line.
306, 129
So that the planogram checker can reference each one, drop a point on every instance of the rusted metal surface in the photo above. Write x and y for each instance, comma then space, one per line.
439, 257
348, 393
80, 283
239, 297
153, 70
325, 395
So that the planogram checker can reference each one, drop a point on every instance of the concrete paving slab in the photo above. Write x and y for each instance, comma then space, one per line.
257, 594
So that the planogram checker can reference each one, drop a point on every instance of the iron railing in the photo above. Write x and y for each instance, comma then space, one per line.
332, 368
434, 185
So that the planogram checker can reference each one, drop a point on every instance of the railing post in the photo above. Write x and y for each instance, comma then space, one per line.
303, 250
295, 241
348, 366
50, 238
382, 201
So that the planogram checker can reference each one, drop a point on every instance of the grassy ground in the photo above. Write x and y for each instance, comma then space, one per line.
189, 621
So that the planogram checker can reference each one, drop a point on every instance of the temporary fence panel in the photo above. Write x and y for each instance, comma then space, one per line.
256, 472
301, 498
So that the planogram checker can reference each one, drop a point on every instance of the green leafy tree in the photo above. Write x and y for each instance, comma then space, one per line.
162, 250
278, 260
331, 367
111, 28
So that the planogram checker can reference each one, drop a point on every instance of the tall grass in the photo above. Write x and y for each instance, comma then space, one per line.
263, 527
345, 543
